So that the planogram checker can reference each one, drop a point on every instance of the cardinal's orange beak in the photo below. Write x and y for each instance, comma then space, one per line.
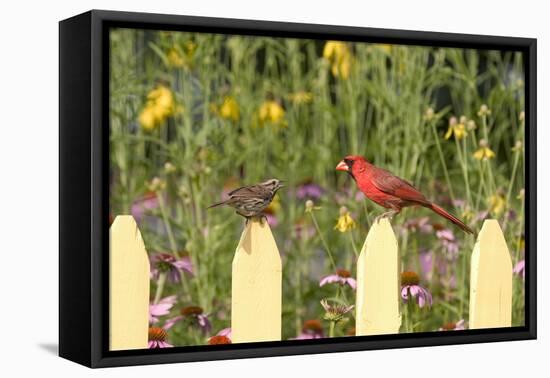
342, 166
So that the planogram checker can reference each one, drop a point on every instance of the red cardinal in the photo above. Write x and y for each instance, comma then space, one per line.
388, 190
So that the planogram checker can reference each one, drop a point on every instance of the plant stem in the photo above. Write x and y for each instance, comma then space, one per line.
329, 253
442, 158
331, 329
160, 287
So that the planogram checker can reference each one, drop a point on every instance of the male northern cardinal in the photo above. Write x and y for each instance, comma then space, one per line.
388, 190
250, 201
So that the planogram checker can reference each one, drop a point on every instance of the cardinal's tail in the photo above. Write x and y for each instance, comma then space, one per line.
452, 218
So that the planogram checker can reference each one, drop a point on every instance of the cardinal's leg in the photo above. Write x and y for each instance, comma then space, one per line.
394, 210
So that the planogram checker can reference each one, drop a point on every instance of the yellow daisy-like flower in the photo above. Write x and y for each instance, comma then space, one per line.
147, 118
160, 105
345, 221
339, 56
301, 97
272, 112
484, 152
458, 129
497, 204
229, 109
178, 57
175, 59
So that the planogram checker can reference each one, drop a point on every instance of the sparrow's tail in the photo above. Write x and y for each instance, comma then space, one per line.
452, 218
217, 204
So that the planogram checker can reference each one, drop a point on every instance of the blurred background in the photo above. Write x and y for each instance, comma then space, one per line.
193, 116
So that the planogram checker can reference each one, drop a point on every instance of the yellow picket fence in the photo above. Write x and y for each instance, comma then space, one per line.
257, 284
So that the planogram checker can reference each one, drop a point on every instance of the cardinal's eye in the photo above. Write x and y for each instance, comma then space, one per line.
348, 162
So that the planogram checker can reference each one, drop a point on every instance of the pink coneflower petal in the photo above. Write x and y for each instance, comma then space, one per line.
352, 283
329, 279
161, 308
519, 268
225, 332
422, 295
170, 322
143, 205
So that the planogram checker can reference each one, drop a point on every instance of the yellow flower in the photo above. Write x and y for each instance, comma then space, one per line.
163, 100
229, 109
301, 97
274, 206
497, 203
160, 105
385, 47
272, 112
147, 119
339, 56
181, 57
345, 221
174, 58
457, 129
484, 152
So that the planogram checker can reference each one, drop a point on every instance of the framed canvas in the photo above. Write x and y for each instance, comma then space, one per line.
235, 188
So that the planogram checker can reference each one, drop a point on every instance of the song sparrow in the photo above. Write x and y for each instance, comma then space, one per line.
250, 201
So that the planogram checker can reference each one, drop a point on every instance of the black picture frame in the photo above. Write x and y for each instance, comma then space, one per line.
83, 182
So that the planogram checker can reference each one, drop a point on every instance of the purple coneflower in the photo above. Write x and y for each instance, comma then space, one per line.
448, 240
161, 308
157, 338
458, 326
219, 340
421, 224
309, 190
341, 277
519, 268
165, 262
410, 286
312, 329
426, 259
222, 337
144, 204
195, 315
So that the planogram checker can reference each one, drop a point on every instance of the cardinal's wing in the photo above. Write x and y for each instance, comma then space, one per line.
389, 183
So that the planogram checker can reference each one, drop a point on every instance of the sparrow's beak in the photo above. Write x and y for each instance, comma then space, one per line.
342, 166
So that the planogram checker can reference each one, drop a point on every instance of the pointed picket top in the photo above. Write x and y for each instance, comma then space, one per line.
377, 301
490, 279
128, 286
256, 286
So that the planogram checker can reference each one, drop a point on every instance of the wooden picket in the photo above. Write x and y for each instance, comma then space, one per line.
128, 286
490, 280
256, 286
377, 295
